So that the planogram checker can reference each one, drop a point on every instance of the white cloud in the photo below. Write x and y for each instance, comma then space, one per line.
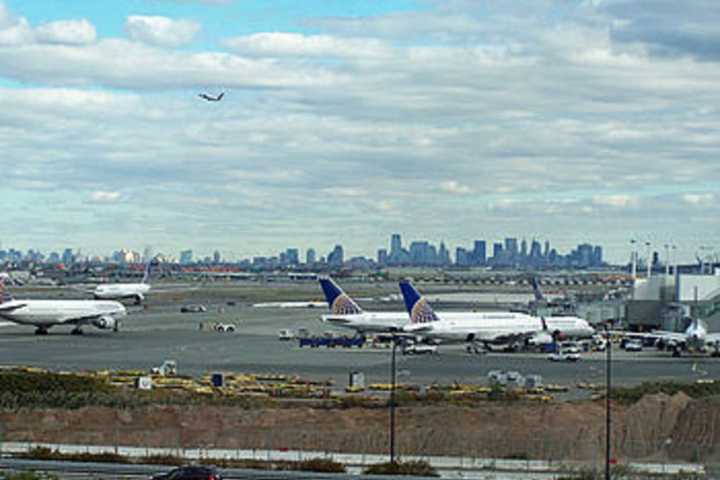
101, 196
13, 30
618, 201
296, 44
70, 32
454, 187
699, 199
161, 31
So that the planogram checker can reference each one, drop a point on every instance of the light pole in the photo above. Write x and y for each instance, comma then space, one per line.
393, 377
608, 380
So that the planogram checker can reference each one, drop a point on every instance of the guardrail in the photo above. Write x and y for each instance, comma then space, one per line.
447, 466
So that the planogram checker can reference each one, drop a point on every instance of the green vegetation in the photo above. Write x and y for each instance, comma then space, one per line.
418, 468
630, 395
23, 389
623, 472
310, 465
27, 476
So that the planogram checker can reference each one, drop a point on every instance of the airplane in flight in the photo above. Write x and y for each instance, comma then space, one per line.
346, 313
211, 98
481, 330
44, 314
122, 291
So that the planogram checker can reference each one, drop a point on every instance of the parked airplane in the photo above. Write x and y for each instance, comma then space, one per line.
290, 305
44, 314
483, 329
540, 301
121, 291
344, 312
695, 337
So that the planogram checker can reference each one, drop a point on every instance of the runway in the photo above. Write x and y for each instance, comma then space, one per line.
159, 331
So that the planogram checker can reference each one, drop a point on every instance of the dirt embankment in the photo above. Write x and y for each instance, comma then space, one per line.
657, 426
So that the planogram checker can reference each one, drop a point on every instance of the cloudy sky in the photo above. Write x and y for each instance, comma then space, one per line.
347, 120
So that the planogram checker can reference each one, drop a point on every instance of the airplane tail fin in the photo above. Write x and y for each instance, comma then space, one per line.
338, 301
417, 306
219, 97
151, 265
536, 289
4, 294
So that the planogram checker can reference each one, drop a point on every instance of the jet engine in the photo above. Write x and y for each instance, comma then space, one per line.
139, 298
106, 323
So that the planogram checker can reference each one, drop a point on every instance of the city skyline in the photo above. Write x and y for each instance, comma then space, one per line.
580, 121
398, 250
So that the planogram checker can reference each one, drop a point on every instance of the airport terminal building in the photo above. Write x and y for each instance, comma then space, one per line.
666, 301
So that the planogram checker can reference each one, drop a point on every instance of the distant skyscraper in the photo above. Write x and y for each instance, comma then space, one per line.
293, 256
546, 252
535, 250
310, 256
443, 255
497, 251
67, 256
336, 257
382, 256
216, 257
479, 253
186, 257
523, 248
511, 248
395, 244
461, 257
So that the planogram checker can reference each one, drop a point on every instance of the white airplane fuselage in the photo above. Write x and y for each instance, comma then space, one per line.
47, 313
498, 326
480, 326
370, 322
120, 291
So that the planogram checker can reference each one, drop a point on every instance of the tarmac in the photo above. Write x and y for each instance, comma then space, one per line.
157, 331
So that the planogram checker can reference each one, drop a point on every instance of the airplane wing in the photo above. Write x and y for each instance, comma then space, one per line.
654, 335
505, 337
81, 320
10, 308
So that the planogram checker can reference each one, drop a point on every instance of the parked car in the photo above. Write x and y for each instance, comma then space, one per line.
192, 472
564, 357
193, 308
633, 346
419, 349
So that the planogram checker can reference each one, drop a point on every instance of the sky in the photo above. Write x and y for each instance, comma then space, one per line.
347, 120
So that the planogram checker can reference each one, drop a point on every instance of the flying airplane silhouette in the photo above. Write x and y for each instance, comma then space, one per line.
210, 98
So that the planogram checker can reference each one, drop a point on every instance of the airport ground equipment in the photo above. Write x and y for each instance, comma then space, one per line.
331, 342
167, 369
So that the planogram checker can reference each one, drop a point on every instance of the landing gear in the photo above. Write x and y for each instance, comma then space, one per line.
676, 352
116, 328
41, 331
76, 331
475, 348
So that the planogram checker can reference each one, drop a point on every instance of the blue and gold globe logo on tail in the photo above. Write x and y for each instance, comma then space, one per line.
422, 313
343, 305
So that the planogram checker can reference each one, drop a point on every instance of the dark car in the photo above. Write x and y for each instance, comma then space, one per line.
195, 472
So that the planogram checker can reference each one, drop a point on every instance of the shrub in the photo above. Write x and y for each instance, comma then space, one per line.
44, 453
27, 476
325, 465
162, 460
418, 468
